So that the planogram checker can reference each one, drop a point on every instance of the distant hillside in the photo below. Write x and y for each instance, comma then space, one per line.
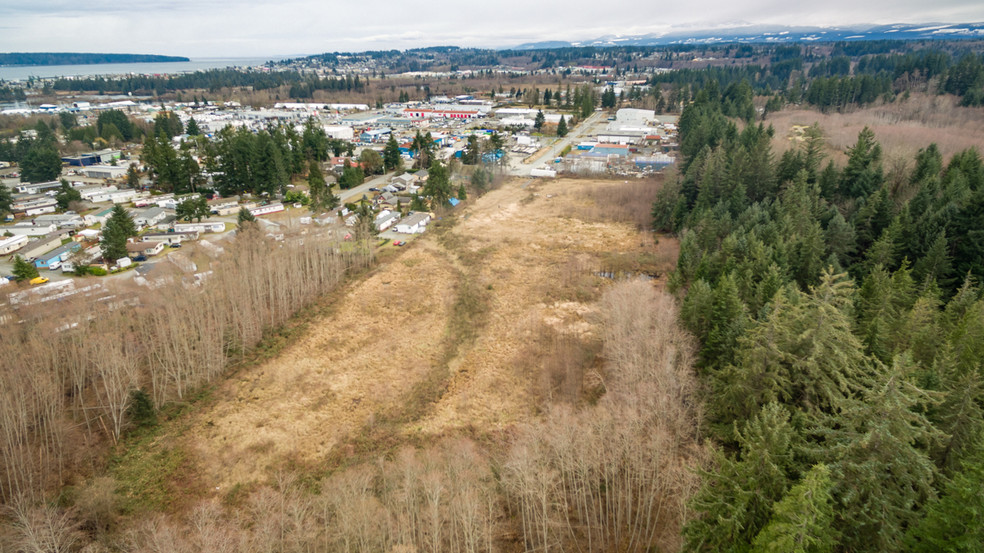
75, 58
779, 34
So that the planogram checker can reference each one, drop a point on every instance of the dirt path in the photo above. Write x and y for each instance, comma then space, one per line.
461, 305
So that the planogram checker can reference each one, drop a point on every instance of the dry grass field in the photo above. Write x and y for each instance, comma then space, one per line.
902, 127
468, 331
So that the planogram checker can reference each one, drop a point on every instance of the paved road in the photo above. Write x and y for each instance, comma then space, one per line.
586, 128
353, 195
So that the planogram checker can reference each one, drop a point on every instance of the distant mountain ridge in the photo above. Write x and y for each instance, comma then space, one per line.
779, 34
78, 58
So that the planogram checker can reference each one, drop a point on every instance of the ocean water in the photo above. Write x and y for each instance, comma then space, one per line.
21, 73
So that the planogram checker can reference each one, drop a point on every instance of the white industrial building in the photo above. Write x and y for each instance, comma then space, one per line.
105, 171
340, 132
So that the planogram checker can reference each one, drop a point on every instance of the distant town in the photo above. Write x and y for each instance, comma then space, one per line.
56, 224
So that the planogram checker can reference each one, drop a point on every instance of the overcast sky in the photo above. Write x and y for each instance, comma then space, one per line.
240, 28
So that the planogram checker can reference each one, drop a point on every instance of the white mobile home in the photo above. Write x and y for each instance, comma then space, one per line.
200, 227
266, 209
12, 244
414, 224
30, 229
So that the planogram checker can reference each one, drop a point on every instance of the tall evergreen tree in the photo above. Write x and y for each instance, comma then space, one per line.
118, 120
471, 155
953, 522
168, 124
801, 353
391, 155
863, 174
118, 228
192, 128
132, 177
321, 196
562, 127
882, 473
960, 416
244, 217
66, 195
193, 208
438, 185
735, 501
42, 163
23, 270
802, 522
6, 200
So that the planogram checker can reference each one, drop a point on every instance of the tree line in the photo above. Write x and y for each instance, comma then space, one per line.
837, 310
347, 83
844, 80
76, 58
37, 156
240, 160
72, 379
211, 79
609, 475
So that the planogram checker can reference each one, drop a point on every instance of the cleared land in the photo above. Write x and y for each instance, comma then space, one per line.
463, 332
902, 127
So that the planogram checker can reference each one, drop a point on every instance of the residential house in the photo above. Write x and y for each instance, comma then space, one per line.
41, 245
169, 237
149, 217
405, 180
37, 187
114, 196
266, 209
416, 223
90, 192
385, 219
68, 220
12, 244
98, 218
200, 227
225, 206
31, 206
134, 249
53, 259
29, 229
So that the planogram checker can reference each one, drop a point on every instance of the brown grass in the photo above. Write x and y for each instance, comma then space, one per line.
622, 201
478, 328
902, 127
426, 344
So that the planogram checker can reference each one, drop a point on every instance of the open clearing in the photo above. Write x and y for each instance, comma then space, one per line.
902, 127
441, 338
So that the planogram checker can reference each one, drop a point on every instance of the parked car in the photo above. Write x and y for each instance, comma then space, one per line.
175, 245
38, 280
140, 258
374, 190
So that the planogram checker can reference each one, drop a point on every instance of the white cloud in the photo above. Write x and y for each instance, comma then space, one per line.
238, 28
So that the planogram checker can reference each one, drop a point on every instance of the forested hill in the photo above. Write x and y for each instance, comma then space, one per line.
76, 58
840, 317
